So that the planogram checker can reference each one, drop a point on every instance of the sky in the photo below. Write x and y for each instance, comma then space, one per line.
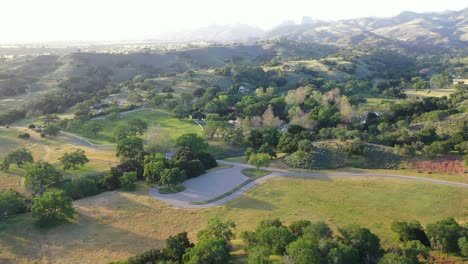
61, 20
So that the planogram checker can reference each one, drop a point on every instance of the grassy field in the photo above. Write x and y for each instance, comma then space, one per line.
114, 225
171, 126
430, 92
49, 149
254, 173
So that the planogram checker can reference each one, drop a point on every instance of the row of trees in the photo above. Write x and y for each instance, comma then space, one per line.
312, 242
49, 204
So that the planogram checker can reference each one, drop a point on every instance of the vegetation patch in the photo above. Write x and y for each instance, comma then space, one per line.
319, 158
254, 173
445, 165
332, 155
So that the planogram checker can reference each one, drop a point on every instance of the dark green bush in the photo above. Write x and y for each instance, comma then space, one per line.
11, 203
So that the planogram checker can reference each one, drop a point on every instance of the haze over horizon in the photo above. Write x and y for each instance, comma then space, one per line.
87, 20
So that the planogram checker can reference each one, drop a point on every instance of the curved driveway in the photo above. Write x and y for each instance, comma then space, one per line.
216, 183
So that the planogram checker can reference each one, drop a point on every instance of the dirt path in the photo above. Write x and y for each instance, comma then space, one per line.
196, 191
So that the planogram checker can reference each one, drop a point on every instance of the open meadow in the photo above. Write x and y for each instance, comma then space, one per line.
114, 225
163, 122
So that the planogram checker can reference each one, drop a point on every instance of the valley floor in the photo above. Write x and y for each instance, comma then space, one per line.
114, 225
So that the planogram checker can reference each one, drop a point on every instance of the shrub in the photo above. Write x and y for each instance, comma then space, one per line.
150, 256
83, 186
110, 181
11, 203
408, 231
444, 235
463, 245
52, 208
128, 181
207, 159
276, 238
24, 135
211, 250
259, 160
259, 255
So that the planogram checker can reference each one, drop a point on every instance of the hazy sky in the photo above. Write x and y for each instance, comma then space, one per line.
48, 20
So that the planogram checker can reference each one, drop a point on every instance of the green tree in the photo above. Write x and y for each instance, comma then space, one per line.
463, 245
40, 176
343, 254
172, 177
442, 80
114, 113
363, 240
211, 250
267, 149
73, 159
444, 235
11, 203
259, 255
129, 147
128, 181
192, 141
152, 171
52, 208
137, 126
19, 157
134, 98
218, 229
275, 238
133, 128
176, 246
92, 128
297, 227
408, 231
413, 249
303, 251
51, 130
393, 258
319, 230
259, 160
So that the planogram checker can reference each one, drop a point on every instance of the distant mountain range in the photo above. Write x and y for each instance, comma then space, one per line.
447, 28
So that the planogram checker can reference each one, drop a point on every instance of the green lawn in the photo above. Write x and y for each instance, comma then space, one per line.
162, 122
429, 92
373, 203
240, 159
9, 140
254, 173
114, 225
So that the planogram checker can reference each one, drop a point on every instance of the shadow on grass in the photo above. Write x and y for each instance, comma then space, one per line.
246, 202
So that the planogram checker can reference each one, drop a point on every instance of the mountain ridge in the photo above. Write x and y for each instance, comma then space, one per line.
449, 28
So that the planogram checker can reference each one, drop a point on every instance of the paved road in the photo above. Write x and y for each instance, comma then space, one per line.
203, 188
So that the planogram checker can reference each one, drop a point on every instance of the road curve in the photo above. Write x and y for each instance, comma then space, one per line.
284, 173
